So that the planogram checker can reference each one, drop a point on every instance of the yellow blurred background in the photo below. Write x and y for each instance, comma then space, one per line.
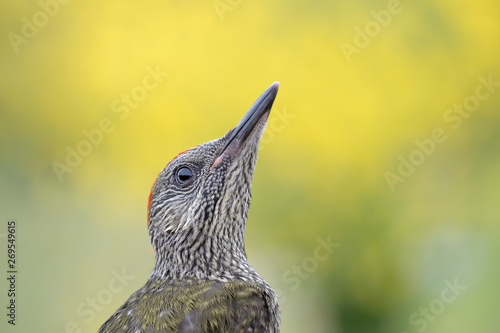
384, 141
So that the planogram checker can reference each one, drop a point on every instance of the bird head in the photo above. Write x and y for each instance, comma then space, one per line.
199, 203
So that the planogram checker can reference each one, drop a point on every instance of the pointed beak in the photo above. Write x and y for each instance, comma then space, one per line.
259, 110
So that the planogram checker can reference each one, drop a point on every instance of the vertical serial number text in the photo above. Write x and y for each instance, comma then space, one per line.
11, 272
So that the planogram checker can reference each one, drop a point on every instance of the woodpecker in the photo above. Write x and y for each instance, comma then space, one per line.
202, 280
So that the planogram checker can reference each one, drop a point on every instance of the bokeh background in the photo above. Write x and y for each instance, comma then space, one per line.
341, 122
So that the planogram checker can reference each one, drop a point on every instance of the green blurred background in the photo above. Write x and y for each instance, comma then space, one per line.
340, 123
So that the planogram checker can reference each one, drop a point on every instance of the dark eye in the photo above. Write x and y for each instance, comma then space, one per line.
184, 176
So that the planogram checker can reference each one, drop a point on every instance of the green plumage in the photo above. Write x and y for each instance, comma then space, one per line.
202, 280
194, 306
